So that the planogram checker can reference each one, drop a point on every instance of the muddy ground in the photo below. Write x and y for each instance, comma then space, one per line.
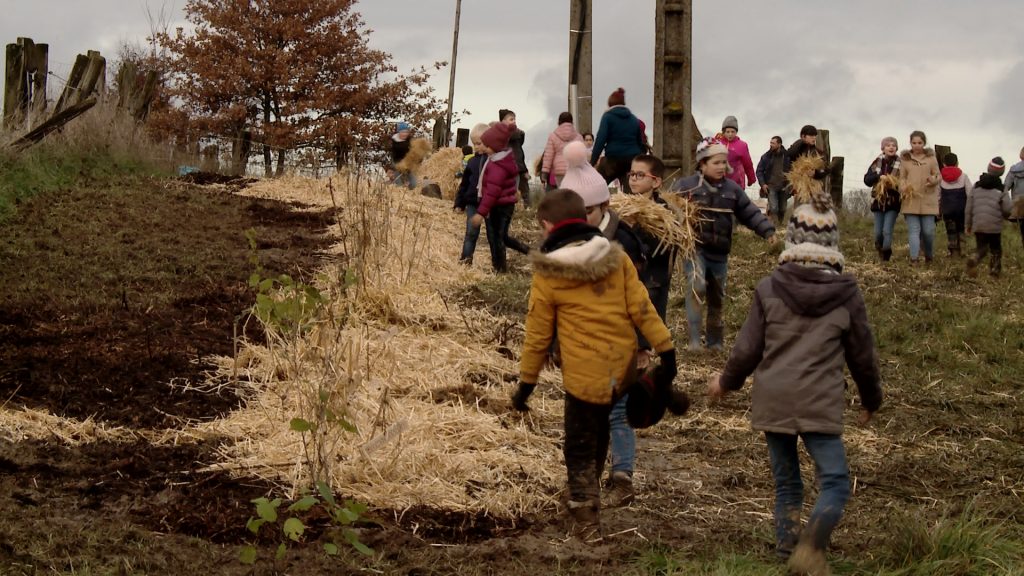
114, 296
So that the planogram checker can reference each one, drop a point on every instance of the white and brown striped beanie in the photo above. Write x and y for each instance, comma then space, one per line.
812, 238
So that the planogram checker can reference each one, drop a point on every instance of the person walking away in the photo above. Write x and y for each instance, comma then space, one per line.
953, 192
742, 167
619, 139
919, 194
401, 141
885, 195
719, 199
585, 287
466, 198
987, 207
807, 319
771, 173
497, 193
1015, 186
553, 162
516, 140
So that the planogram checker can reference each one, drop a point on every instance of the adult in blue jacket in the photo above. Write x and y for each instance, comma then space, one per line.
620, 138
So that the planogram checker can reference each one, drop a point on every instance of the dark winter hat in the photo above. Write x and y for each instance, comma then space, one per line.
996, 167
644, 406
496, 137
730, 122
617, 98
808, 130
504, 112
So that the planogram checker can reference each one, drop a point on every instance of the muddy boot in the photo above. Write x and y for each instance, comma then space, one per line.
807, 560
952, 245
972, 267
886, 254
995, 267
584, 520
621, 491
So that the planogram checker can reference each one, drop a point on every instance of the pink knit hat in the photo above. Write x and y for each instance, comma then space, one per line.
580, 176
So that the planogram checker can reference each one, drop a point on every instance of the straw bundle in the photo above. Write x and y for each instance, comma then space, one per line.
885, 183
909, 192
405, 365
441, 169
1017, 213
419, 149
806, 188
669, 224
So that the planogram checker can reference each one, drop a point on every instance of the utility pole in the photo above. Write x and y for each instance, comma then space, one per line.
581, 78
451, 80
675, 131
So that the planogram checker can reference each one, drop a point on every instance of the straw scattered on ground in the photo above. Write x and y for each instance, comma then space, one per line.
425, 381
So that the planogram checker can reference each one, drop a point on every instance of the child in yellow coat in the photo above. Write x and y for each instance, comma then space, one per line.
586, 287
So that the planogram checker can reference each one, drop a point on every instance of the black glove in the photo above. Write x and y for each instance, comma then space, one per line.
667, 370
521, 395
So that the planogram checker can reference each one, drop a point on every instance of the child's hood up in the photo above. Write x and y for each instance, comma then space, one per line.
811, 291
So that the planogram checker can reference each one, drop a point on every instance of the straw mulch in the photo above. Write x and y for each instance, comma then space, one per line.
418, 375
18, 425
441, 169
672, 225
419, 149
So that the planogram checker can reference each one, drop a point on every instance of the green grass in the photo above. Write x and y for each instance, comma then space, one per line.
47, 169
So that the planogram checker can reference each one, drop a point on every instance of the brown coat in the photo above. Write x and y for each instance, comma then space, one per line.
804, 324
916, 172
589, 291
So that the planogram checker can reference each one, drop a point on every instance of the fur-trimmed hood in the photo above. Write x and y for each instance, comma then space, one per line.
586, 261
905, 154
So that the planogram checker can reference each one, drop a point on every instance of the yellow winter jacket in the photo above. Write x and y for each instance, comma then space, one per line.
589, 290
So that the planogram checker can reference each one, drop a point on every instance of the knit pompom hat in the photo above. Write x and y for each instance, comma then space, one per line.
496, 137
581, 177
997, 166
709, 147
812, 238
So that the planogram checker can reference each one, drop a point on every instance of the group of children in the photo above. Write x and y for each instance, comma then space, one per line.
597, 306
912, 183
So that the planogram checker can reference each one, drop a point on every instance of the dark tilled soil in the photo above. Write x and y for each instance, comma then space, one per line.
114, 299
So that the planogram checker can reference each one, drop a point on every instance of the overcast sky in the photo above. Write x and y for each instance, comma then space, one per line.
864, 69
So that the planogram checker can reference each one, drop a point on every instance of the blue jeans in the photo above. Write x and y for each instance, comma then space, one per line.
623, 439
921, 228
829, 457
472, 235
407, 179
706, 280
884, 223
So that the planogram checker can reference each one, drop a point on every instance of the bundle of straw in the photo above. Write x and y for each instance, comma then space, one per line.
806, 188
419, 149
441, 169
909, 192
669, 224
1018, 209
885, 183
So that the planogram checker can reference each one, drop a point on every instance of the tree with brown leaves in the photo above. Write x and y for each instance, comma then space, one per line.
299, 74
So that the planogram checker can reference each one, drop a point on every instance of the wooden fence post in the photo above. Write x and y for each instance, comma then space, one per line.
14, 78
940, 153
